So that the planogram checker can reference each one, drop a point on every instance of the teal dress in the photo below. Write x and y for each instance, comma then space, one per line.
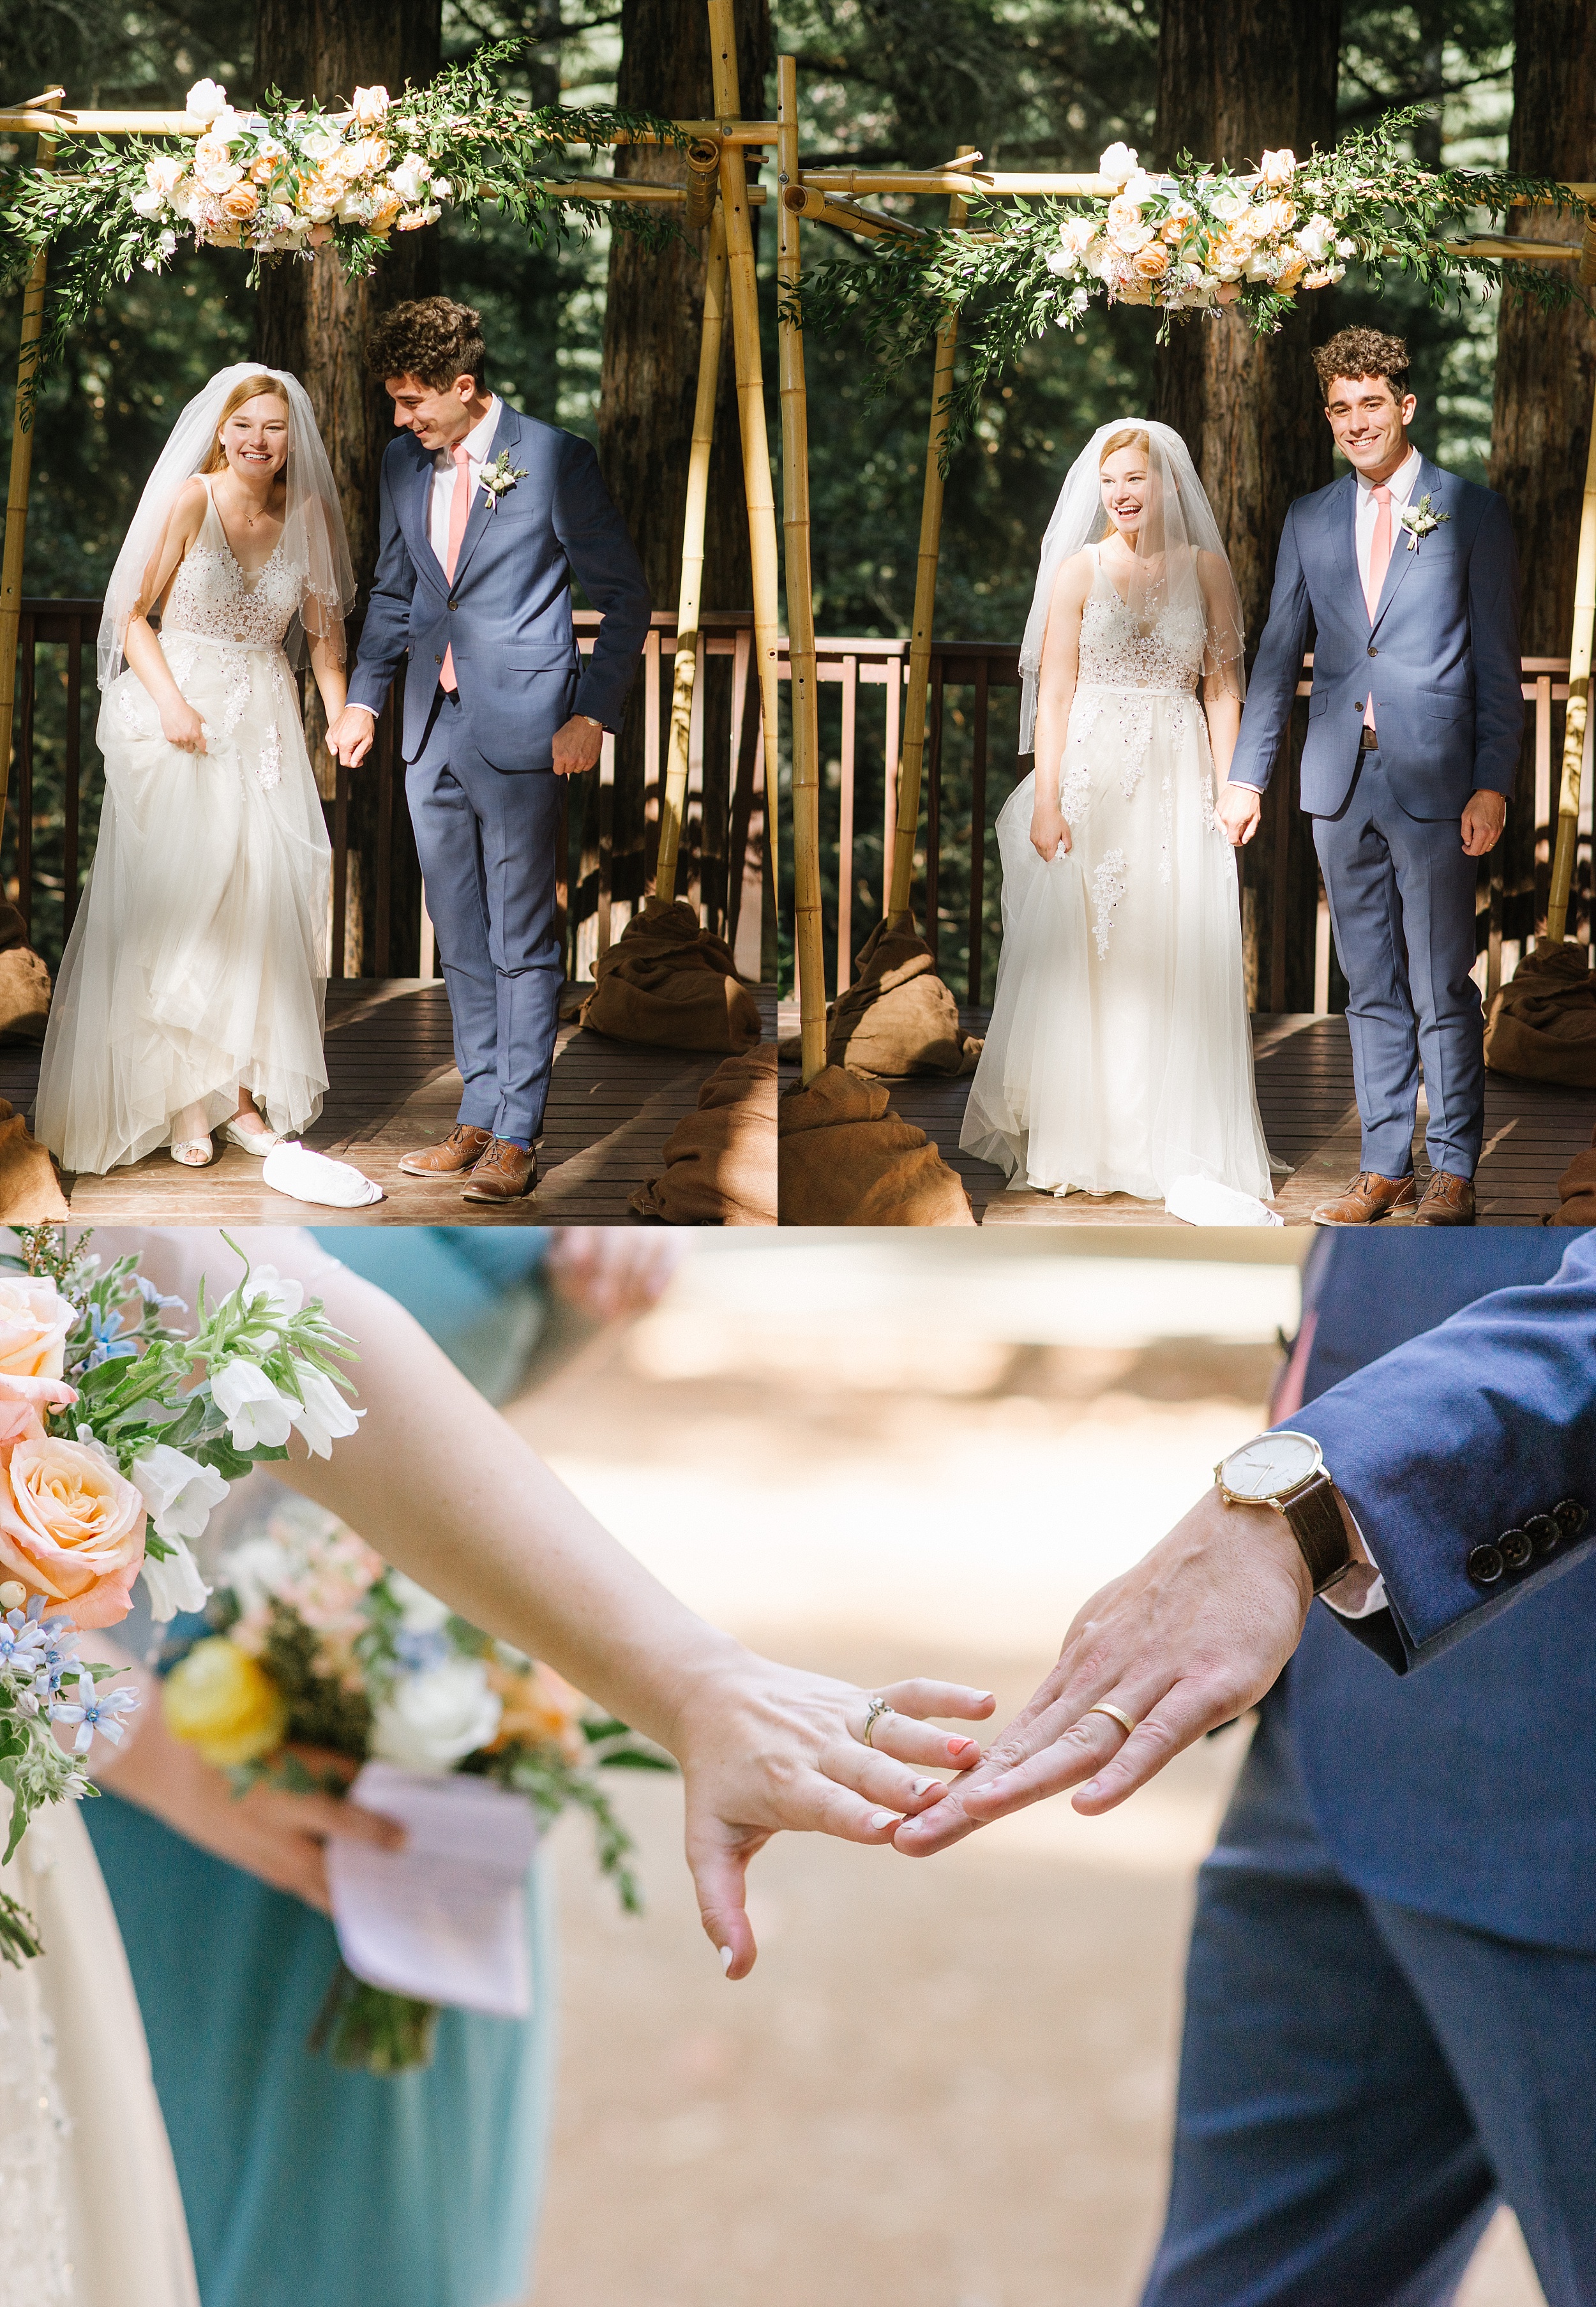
306, 2185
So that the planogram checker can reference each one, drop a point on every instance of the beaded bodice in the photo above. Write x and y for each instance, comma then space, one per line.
213, 597
1115, 653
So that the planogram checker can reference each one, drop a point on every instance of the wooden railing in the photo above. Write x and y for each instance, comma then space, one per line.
49, 813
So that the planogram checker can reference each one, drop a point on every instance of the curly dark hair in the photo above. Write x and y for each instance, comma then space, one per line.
432, 339
1362, 352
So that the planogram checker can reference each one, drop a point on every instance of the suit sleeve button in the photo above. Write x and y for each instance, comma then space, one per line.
1570, 1516
1372, 650
1515, 1548
1484, 1565
1543, 1531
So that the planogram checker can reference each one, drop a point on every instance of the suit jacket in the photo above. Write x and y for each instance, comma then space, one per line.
1441, 655
1462, 1790
507, 615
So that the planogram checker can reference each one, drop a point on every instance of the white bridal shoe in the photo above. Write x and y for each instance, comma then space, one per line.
194, 1153
260, 1142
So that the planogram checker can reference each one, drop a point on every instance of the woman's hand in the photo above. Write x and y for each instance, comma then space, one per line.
764, 1747
181, 726
1050, 833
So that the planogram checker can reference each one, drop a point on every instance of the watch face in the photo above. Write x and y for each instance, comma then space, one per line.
1270, 1465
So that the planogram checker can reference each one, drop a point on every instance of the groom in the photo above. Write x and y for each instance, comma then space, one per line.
1409, 578
486, 517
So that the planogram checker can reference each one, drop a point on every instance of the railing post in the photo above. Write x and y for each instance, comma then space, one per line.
74, 779
845, 824
16, 487
933, 810
977, 832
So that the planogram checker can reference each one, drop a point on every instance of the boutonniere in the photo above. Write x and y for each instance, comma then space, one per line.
1418, 520
501, 476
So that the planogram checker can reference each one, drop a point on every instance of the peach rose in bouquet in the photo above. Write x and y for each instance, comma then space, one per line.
35, 1322
72, 1527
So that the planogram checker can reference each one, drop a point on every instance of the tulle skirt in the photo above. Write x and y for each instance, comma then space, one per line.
1119, 1056
197, 963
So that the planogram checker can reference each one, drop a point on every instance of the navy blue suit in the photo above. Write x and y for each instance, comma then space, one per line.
1440, 658
1391, 1997
482, 796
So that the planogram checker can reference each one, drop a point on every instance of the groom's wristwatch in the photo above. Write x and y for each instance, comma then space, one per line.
1285, 1471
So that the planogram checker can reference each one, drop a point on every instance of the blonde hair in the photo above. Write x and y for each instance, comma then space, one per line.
248, 387
1128, 436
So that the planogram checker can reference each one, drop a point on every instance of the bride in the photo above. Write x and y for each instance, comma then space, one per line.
190, 995
1120, 1058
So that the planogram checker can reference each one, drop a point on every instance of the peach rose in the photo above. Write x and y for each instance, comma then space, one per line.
1228, 256
540, 1709
1152, 261
35, 1321
242, 202
70, 1528
260, 170
370, 104
1278, 168
1290, 272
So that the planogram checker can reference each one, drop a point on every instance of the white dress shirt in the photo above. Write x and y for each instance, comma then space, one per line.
1403, 481
440, 500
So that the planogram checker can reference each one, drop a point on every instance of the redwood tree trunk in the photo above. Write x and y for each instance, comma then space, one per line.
1232, 81
1546, 375
652, 320
310, 320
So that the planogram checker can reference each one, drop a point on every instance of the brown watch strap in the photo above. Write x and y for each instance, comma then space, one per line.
1314, 1513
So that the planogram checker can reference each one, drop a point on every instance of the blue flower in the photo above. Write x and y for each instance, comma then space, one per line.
151, 1296
109, 1345
22, 1646
419, 1650
91, 1713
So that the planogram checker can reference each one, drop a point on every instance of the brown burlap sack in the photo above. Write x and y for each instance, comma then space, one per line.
24, 983
844, 1160
898, 1017
720, 1162
1542, 1025
1576, 1192
669, 983
30, 1190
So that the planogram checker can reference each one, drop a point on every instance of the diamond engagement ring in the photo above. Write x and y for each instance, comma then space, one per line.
872, 1715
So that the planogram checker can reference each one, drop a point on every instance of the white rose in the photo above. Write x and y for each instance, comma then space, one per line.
1230, 206
370, 104
179, 1491
410, 178
324, 1416
420, 1613
320, 144
1346, 248
442, 190
1118, 164
206, 99
148, 203
162, 175
175, 1585
434, 1719
257, 1415
1316, 238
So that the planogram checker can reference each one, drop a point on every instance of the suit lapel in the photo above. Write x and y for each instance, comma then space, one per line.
1343, 511
506, 433
413, 515
1402, 560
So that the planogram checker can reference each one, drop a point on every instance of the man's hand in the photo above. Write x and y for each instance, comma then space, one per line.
349, 737
610, 1272
577, 746
1238, 809
1485, 813
1186, 1640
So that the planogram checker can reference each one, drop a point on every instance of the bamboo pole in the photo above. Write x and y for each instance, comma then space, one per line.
21, 468
744, 300
912, 756
843, 213
800, 611
1579, 699
685, 672
25, 120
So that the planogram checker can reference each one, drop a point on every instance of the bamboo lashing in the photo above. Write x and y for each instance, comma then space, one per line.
703, 181
911, 760
843, 213
690, 600
804, 685
743, 296
22, 468
1579, 699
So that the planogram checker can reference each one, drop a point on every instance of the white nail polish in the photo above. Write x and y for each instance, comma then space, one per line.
881, 1818
726, 1960
923, 1786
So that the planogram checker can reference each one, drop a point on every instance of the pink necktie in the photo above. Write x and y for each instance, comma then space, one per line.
459, 512
1379, 561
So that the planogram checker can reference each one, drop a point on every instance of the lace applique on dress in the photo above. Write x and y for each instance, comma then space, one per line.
269, 764
1107, 887
214, 599
1115, 653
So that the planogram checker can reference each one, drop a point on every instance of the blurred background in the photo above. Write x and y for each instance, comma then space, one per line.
945, 2082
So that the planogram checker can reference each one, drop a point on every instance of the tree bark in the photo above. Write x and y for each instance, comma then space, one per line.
1232, 81
311, 321
652, 322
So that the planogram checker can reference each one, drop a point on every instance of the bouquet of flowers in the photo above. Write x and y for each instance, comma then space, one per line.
320, 1657
118, 1435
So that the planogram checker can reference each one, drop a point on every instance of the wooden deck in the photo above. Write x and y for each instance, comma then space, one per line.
1310, 1121
392, 1087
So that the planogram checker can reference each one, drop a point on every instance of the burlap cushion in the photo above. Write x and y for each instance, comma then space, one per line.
30, 1190
1543, 1024
898, 1017
668, 981
720, 1161
24, 982
844, 1160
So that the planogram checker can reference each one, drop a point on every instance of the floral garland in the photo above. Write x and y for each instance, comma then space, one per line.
288, 178
1200, 239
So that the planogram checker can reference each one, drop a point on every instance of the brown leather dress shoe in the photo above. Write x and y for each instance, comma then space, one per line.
1447, 1201
1368, 1198
463, 1145
505, 1172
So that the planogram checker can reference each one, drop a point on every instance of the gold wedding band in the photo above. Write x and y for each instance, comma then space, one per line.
872, 1715
1115, 1714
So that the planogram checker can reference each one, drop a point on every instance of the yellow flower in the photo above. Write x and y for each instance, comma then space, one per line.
224, 1704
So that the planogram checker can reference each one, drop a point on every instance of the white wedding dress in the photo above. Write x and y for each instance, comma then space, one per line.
197, 962
1118, 1059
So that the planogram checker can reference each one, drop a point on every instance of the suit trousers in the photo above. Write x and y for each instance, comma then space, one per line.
1401, 904
487, 842
1361, 2083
